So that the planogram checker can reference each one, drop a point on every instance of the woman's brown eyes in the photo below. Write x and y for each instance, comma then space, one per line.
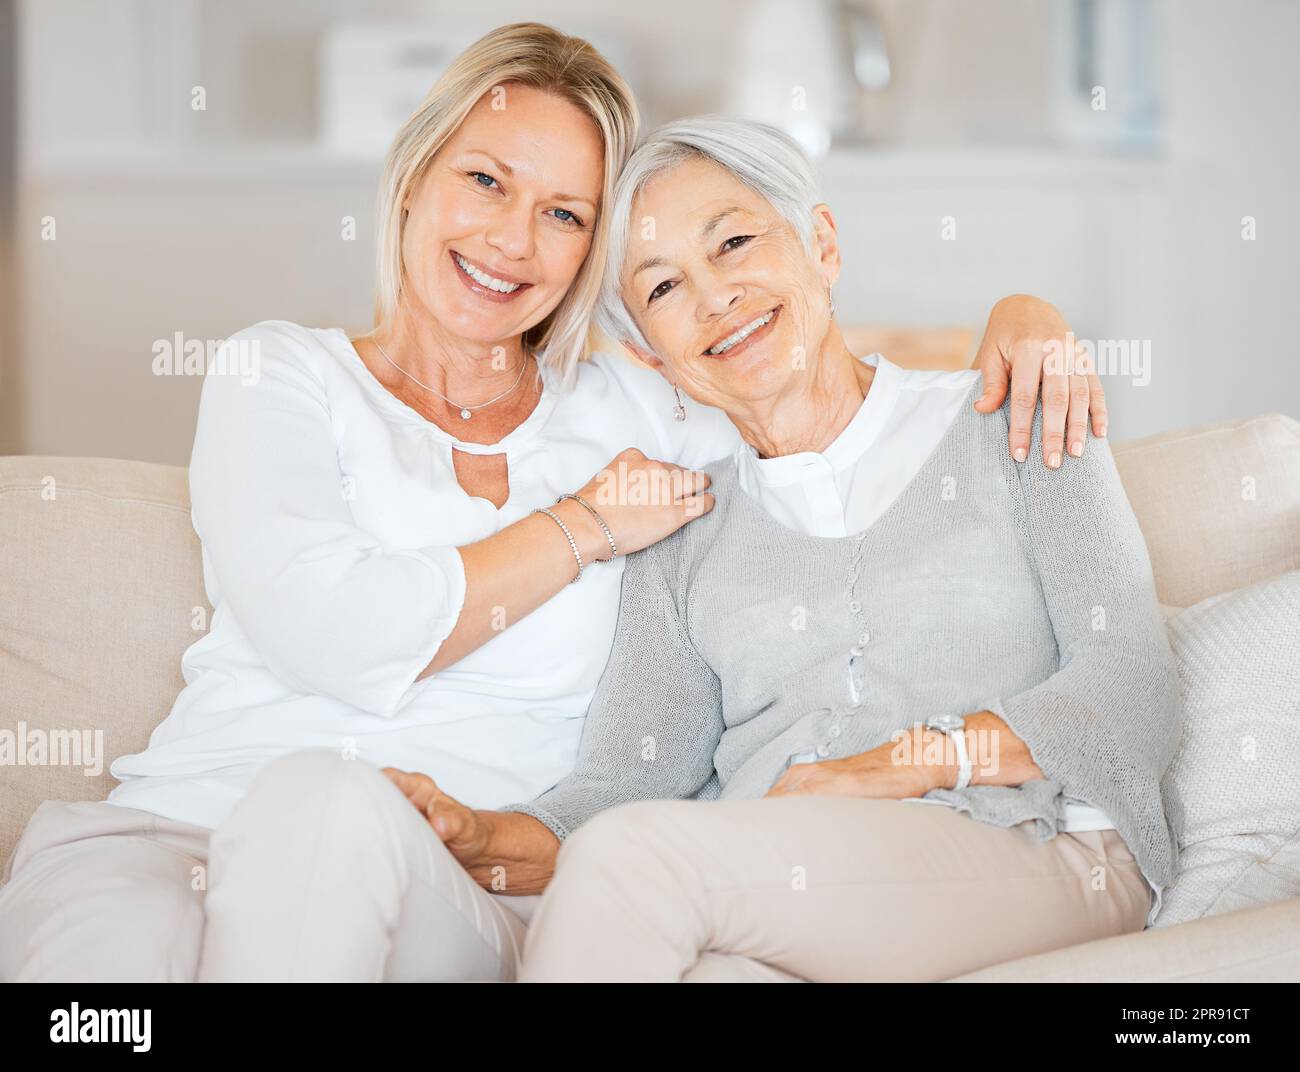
734, 242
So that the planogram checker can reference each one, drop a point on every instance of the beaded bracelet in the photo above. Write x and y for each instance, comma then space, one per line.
573, 544
613, 547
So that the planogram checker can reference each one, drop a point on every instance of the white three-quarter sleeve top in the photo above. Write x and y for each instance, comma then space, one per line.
329, 514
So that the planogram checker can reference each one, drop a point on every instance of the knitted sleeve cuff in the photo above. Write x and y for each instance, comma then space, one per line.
547, 820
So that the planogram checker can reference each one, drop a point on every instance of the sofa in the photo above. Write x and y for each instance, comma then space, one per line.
101, 590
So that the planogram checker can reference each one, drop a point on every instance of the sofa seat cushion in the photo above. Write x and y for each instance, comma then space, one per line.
1256, 945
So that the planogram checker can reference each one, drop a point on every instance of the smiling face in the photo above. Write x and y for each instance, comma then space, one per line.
730, 299
502, 219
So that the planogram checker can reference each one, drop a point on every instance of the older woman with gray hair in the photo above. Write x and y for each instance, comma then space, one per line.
882, 609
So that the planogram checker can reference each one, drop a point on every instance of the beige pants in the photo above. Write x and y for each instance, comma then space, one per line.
820, 888
324, 871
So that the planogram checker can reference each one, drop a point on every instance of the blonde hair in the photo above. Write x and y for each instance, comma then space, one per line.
524, 54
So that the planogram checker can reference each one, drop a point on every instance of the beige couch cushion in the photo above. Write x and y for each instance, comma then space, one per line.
1219, 506
99, 580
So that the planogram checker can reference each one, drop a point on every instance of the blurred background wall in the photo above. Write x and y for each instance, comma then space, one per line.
188, 166
9, 441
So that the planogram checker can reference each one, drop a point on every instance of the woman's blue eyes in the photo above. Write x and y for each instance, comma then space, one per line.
731, 243
563, 215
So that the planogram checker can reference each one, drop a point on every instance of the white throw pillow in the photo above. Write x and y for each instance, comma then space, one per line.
1234, 787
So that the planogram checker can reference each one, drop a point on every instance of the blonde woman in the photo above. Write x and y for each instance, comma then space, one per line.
396, 579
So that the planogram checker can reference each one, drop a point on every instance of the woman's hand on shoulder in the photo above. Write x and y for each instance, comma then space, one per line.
641, 500
1029, 349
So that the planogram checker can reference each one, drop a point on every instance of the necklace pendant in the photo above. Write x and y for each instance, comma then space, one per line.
464, 415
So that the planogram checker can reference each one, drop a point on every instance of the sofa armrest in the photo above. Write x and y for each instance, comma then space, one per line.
1252, 945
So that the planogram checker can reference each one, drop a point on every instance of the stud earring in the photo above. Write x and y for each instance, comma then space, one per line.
679, 411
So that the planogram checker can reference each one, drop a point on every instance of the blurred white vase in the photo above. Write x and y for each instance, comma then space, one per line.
801, 64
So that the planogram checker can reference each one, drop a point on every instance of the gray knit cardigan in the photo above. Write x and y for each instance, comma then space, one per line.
986, 585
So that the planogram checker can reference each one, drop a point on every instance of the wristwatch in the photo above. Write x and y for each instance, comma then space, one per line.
954, 726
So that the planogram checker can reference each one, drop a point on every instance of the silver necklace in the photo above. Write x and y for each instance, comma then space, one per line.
466, 412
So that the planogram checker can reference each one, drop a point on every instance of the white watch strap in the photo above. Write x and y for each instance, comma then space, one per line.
964, 768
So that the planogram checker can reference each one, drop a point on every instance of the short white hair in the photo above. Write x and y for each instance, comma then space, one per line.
765, 159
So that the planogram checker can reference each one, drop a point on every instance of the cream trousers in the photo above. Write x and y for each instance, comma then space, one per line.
324, 871
820, 888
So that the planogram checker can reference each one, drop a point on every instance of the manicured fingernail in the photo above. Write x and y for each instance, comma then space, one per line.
1054, 462
1076, 449
1019, 454
1101, 428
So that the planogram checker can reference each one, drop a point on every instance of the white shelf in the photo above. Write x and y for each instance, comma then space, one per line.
289, 163
310, 162
1051, 166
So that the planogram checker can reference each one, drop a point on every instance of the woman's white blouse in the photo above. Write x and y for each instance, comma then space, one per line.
845, 488
329, 514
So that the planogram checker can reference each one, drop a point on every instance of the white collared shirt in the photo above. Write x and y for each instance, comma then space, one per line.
845, 488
